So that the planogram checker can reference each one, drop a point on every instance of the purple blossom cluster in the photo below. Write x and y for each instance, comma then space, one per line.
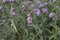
44, 10
23, 7
51, 15
54, 1
5, 1
1, 7
29, 19
13, 11
38, 10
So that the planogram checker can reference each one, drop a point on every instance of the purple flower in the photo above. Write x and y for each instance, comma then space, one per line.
51, 15
4, 1
29, 20
44, 10
40, 4
1, 7
45, 3
37, 11
13, 13
59, 14
12, 0
23, 7
54, 0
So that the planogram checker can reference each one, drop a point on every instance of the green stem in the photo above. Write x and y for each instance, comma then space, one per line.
14, 26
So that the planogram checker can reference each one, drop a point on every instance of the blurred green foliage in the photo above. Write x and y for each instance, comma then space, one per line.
43, 28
